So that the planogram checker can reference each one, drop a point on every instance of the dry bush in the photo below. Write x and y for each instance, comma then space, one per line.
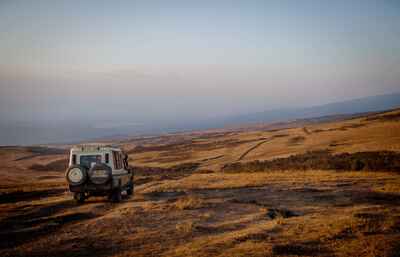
248, 248
324, 160
375, 222
185, 227
189, 203
295, 249
392, 186
276, 213
386, 117
296, 140
180, 168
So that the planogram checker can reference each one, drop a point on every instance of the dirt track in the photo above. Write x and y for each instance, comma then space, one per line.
253, 148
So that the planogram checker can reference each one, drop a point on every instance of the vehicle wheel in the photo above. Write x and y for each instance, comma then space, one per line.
116, 196
129, 191
79, 197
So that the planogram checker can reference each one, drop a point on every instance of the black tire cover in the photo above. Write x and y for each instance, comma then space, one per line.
84, 175
99, 180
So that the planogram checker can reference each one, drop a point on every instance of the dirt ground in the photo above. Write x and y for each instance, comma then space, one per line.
202, 211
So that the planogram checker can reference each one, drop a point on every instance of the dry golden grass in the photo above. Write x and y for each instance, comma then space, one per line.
188, 203
179, 212
257, 179
354, 135
216, 221
390, 186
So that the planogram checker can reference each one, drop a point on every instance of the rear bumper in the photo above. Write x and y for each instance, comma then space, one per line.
88, 187
117, 182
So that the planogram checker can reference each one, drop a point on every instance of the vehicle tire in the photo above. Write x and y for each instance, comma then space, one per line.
100, 179
76, 169
79, 197
116, 196
129, 190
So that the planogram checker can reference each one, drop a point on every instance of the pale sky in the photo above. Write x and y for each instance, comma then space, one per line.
146, 61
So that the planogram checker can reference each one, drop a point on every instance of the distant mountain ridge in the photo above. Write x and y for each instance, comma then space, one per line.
31, 134
359, 105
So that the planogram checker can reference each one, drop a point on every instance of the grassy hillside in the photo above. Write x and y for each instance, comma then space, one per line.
378, 132
290, 193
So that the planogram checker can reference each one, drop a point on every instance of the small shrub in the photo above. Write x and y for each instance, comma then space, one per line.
296, 140
185, 227
280, 213
180, 168
357, 165
189, 203
294, 249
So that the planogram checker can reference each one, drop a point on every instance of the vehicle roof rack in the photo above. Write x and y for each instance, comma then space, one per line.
94, 146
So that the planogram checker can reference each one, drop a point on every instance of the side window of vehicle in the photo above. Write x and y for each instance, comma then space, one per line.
74, 159
117, 160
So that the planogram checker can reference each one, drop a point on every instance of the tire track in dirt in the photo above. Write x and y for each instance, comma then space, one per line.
254, 147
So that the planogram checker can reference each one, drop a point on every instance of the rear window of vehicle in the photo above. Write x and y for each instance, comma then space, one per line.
89, 160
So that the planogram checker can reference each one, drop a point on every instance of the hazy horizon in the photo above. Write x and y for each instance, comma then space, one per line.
166, 62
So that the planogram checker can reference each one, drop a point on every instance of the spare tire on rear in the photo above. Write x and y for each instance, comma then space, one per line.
100, 174
76, 175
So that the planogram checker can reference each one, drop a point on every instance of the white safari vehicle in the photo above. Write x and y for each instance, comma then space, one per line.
98, 170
